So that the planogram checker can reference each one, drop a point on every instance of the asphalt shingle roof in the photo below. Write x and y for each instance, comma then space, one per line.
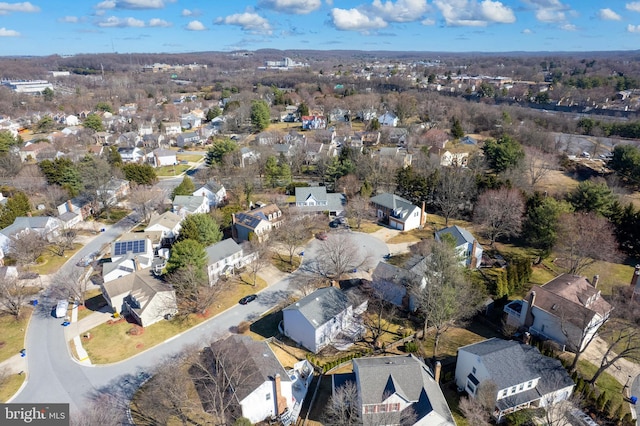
461, 235
221, 250
322, 305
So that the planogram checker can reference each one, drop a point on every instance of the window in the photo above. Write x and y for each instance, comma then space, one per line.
268, 396
394, 407
529, 384
473, 370
504, 392
520, 387
471, 387
513, 390
368, 409
382, 408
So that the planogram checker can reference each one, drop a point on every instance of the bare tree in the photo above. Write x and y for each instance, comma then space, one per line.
583, 239
26, 248
359, 209
378, 320
71, 284
261, 252
65, 241
192, 288
473, 411
455, 188
144, 199
500, 213
623, 341
444, 295
292, 235
343, 408
339, 255
307, 284
538, 164
105, 410
348, 185
13, 295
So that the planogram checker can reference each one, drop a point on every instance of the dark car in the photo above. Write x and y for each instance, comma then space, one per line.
248, 299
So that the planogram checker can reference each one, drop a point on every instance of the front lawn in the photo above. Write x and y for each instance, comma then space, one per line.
93, 302
10, 385
365, 226
172, 170
50, 262
111, 343
193, 158
12, 333
281, 261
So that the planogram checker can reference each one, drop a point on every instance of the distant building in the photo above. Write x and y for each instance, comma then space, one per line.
27, 86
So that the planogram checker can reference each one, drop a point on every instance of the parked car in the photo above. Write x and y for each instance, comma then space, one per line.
248, 299
322, 236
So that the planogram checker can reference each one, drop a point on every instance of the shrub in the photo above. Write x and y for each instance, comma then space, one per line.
411, 347
242, 421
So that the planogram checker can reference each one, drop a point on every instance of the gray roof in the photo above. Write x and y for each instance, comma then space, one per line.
164, 152
167, 220
221, 250
29, 222
259, 363
335, 202
509, 363
321, 306
401, 207
461, 235
406, 376
188, 202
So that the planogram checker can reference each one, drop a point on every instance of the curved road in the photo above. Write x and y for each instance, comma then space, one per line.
53, 376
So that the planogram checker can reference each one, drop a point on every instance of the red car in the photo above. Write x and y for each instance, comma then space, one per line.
322, 236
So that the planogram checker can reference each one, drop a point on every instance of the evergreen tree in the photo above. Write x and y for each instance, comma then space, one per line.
260, 115
592, 196
202, 228
187, 252
17, 205
186, 187
503, 154
456, 129
142, 174
62, 172
94, 122
219, 149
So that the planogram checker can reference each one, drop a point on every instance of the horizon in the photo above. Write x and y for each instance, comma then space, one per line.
38, 28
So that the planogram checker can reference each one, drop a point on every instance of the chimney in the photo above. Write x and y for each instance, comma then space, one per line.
527, 338
69, 206
595, 280
636, 276
436, 372
474, 259
423, 218
281, 401
528, 320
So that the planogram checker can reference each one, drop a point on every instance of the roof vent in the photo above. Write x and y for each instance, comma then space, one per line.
554, 307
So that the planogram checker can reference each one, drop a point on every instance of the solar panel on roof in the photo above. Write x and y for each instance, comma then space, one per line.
124, 247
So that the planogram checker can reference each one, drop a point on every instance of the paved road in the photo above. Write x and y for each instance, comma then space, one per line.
54, 377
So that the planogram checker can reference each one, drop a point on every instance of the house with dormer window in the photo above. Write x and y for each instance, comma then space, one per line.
257, 222
517, 374
315, 199
398, 212
224, 257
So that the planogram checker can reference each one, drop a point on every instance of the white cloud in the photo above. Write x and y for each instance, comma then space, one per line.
400, 10
630, 28
69, 19
527, 31
355, 20
157, 22
428, 22
474, 14
297, 7
634, 6
549, 10
248, 21
8, 33
186, 12
550, 15
608, 15
195, 26
568, 27
26, 7
115, 22
106, 4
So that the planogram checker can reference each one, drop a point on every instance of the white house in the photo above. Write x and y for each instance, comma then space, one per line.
315, 199
263, 389
163, 157
568, 309
519, 375
389, 385
454, 159
185, 205
168, 223
133, 252
467, 246
317, 320
398, 212
142, 296
172, 128
214, 192
46, 227
131, 154
388, 119
256, 222
224, 257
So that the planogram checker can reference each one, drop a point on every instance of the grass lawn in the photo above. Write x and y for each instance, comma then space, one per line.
189, 157
455, 338
366, 226
115, 215
50, 262
172, 170
93, 302
110, 342
12, 333
281, 261
10, 386
285, 126
606, 382
403, 237
453, 399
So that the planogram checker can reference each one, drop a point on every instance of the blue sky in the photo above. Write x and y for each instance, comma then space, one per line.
43, 27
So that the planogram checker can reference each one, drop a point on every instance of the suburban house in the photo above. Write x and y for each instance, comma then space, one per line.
519, 374
394, 283
74, 211
257, 222
143, 296
163, 157
450, 158
465, 243
389, 385
187, 139
130, 254
248, 156
131, 154
184, 205
315, 199
313, 122
214, 192
224, 257
398, 212
172, 128
261, 388
318, 319
568, 309
46, 227
113, 190
168, 223
190, 121
33, 151
388, 119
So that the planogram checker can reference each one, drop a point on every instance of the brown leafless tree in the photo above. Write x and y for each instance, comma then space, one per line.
26, 248
63, 242
623, 342
261, 251
144, 199
72, 284
13, 295
338, 255
477, 410
584, 238
455, 188
106, 410
359, 209
343, 408
292, 235
193, 291
348, 185
378, 320
537, 165
500, 213
307, 284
